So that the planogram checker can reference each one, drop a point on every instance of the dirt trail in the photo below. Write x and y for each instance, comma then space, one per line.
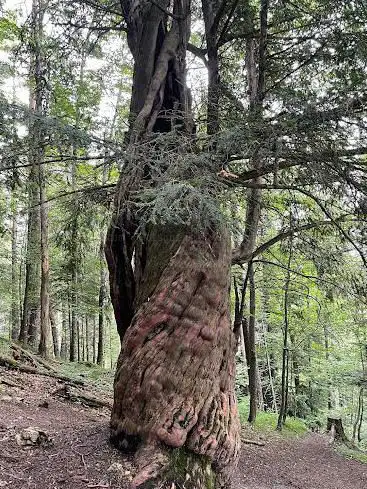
80, 455
307, 463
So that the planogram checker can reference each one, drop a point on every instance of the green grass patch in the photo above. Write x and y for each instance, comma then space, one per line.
266, 423
347, 452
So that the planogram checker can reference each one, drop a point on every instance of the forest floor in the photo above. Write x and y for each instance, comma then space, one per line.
74, 452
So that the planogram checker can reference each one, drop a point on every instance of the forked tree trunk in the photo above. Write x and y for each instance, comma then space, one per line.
174, 400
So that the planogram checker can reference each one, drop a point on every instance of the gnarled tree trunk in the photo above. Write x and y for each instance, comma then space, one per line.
174, 398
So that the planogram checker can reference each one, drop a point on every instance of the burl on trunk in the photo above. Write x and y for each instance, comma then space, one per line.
174, 401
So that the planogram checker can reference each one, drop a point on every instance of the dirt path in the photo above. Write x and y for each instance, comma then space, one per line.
308, 463
80, 456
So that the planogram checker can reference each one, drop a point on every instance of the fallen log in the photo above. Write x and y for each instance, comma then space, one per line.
10, 363
35, 360
10, 383
73, 395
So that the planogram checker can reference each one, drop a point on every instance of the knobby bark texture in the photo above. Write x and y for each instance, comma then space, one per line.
174, 400
175, 381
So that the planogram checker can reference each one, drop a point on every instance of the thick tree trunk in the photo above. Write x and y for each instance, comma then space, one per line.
175, 379
174, 400
31, 302
46, 347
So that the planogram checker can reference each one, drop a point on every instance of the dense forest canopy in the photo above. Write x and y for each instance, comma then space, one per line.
194, 172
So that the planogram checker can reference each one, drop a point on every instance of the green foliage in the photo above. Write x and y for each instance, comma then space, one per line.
266, 422
351, 453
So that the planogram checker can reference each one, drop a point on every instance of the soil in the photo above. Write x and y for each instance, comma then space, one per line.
303, 463
79, 455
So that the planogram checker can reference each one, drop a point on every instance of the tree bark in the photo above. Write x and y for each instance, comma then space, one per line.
64, 327
46, 345
87, 338
285, 356
335, 426
175, 378
174, 401
15, 319
31, 305
251, 361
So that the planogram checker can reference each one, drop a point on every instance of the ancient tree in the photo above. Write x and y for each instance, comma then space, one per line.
174, 387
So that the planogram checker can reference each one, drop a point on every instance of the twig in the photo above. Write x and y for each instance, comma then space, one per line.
252, 442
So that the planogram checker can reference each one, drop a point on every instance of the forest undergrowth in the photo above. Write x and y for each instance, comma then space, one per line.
74, 452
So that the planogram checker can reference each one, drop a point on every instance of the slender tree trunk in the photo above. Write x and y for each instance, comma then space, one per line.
174, 396
102, 285
359, 431
73, 349
101, 302
94, 341
15, 317
55, 333
358, 415
251, 361
285, 356
327, 355
87, 338
78, 340
83, 338
210, 11
64, 327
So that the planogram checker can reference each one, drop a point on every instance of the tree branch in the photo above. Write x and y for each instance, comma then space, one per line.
237, 259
